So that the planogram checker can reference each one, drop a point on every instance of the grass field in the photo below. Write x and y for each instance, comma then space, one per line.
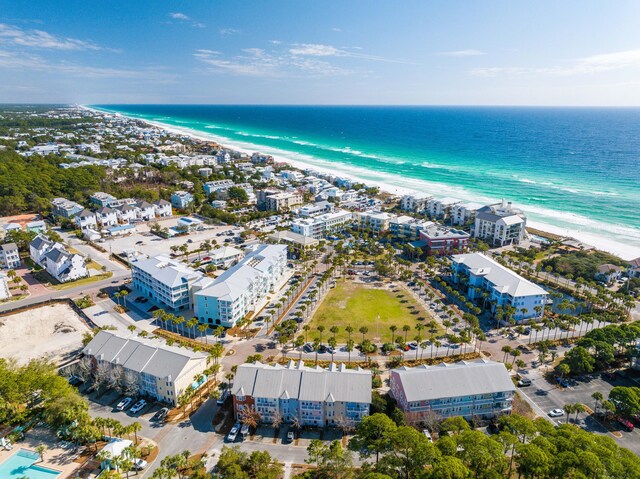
362, 305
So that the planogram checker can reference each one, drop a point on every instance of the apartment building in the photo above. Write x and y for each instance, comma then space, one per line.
283, 201
315, 209
439, 240
58, 262
296, 243
65, 208
441, 207
4, 286
165, 281
415, 202
101, 199
320, 226
242, 288
407, 228
218, 187
463, 213
469, 389
9, 256
303, 395
161, 372
373, 221
181, 199
476, 274
500, 224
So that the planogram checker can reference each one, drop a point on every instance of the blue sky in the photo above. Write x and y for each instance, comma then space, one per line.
321, 52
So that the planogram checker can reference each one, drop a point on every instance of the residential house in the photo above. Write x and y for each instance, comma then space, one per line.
38, 226
5, 293
65, 208
163, 208
608, 273
161, 372
303, 395
469, 389
101, 199
126, 213
58, 262
107, 217
242, 288
165, 281
146, 211
491, 285
416, 202
181, 199
9, 256
500, 224
86, 219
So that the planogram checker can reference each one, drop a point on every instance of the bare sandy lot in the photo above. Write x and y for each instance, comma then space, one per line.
46, 332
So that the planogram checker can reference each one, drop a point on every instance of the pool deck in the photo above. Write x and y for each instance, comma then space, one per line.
55, 457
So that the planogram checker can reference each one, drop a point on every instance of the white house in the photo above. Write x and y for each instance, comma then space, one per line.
145, 211
58, 262
181, 199
4, 286
107, 216
163, 208
86, 219
126, 213
9, 256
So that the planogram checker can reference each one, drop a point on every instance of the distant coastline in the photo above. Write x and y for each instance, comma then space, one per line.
408, 185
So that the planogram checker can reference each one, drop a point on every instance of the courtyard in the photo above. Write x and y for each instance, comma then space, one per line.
376, 307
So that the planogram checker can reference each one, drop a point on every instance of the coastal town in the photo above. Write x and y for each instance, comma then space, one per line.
171, 307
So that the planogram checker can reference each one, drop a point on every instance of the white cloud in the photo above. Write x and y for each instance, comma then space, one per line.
184, 18
228, 31
179, 16
579, 66
316, 50
10, 34
335, 29
462, 53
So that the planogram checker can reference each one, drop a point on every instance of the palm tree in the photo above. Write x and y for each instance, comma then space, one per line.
306, 328
131, 328
135, 427
406, 328
393, 329
363, 330
334, 330
598, 397
349, 329
349, 348
332, 343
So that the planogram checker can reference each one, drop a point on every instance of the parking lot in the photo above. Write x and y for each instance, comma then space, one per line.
544, 397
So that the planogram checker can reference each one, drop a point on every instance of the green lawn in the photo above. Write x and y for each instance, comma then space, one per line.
362, 305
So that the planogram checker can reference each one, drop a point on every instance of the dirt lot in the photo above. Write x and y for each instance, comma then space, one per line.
46, 332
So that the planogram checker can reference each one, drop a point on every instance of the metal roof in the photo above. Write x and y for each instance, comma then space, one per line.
303, 383
464, 378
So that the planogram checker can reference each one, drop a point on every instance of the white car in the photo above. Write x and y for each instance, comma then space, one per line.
231, 437
139, 406
427, 434
124, 404
139, 464
556, 413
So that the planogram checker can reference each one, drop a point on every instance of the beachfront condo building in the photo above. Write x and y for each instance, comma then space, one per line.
407, 228
500, 224
491, 285
241, 289
373, 221
304, 395
159, 371
441, 207
416, 202
463, 213
439, 240
469, 389
165, 281
283, 201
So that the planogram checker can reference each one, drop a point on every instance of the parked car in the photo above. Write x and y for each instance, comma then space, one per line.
556, 413
427, 434
139, 406
223, 397
161, 414
139, 464
244, 431
610, 375
124, 404
307, 348
563, 382
524, 382
627, 426
231, 437
291, 436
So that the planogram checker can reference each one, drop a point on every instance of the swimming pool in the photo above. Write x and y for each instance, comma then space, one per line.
22, 464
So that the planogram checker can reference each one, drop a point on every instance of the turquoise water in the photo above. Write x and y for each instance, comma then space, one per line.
22, 463
572, 169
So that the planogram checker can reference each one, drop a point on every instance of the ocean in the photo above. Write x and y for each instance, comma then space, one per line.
574, 171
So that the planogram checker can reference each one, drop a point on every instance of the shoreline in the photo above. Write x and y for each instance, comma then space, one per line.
624, 251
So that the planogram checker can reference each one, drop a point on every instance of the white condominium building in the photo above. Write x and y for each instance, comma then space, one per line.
242, 288
416, 202
165, 281
283, 201
500, 224
441, 207
374, 221
464, 212
477, 274
322, 225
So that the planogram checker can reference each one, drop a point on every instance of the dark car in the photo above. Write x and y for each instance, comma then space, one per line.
610, 375
161, 414
627, 426
493, 428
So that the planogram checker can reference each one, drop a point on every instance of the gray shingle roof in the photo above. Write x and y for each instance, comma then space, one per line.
9, 247
40, 241
150, 356
464, 378
303, 383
